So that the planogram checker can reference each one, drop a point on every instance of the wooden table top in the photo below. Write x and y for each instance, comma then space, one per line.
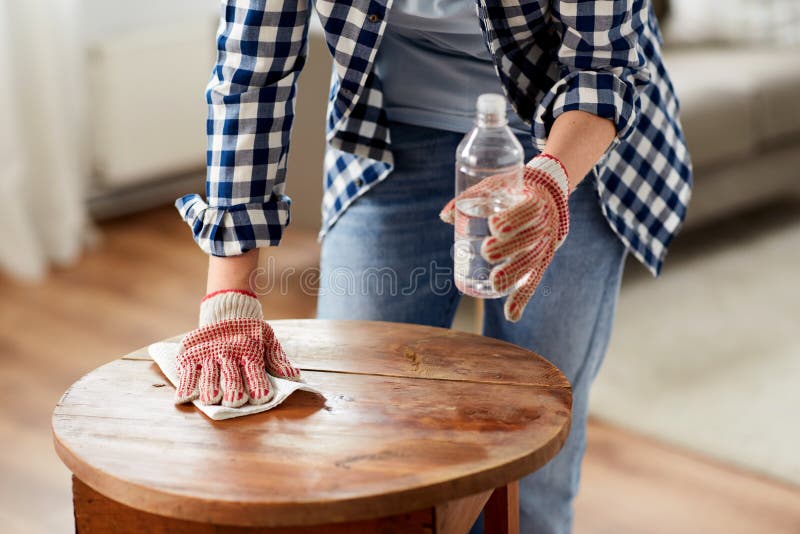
413, 416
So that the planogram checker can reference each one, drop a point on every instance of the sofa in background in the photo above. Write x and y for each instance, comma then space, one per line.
740, 112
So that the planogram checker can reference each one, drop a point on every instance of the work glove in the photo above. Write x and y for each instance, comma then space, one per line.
227, 358
524, 237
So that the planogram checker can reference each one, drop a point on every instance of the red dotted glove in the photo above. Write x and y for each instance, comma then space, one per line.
227, 358
524, 237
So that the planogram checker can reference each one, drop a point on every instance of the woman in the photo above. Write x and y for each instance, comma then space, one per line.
607, 173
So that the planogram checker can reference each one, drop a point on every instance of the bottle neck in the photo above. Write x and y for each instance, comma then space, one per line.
490, 120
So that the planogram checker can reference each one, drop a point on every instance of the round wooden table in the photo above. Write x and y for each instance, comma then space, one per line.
419, 429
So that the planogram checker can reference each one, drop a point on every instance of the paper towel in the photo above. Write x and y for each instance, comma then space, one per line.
165, 355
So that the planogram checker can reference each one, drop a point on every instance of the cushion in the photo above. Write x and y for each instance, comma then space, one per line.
735, 101
723, 21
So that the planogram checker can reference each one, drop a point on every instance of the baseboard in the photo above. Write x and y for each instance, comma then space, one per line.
105, 204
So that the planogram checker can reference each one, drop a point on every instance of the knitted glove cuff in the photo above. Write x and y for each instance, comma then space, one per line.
229, 304
548, 172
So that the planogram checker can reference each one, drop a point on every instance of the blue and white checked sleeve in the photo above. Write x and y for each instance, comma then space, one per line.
261, 48
601, 63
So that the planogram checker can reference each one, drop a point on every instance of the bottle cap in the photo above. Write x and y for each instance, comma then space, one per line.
492, 104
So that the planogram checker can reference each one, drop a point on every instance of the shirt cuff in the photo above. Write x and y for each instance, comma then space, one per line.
600, 93
233, 230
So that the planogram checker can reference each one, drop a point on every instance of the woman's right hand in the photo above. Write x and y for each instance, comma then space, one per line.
226, 359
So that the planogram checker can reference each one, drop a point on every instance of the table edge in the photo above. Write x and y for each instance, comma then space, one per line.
192, 508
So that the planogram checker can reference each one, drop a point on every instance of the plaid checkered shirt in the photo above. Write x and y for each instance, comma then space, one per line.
552, 56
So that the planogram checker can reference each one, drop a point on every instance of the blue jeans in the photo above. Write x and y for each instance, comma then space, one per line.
389, 258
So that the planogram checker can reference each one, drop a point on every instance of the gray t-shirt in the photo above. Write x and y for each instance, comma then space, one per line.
433, 63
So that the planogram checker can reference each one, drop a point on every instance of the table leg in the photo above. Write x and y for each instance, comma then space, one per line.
501, 513
458, 516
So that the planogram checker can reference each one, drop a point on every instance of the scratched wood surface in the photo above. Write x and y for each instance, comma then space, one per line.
411, 417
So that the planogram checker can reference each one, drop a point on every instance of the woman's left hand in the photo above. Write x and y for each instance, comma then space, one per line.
524, 237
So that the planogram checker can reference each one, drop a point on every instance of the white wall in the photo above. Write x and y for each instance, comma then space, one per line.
148, 135
104, 18
147, 70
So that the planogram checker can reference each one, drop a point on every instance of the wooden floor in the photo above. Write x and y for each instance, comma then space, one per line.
143, 282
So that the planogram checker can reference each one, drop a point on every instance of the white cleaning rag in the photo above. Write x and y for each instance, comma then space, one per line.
165, 355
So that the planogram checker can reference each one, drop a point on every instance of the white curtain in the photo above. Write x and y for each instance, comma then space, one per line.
43, 167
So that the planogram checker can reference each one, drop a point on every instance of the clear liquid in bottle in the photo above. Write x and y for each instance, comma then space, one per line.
489, 149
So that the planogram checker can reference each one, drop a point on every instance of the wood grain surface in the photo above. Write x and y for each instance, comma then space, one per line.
412, 417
